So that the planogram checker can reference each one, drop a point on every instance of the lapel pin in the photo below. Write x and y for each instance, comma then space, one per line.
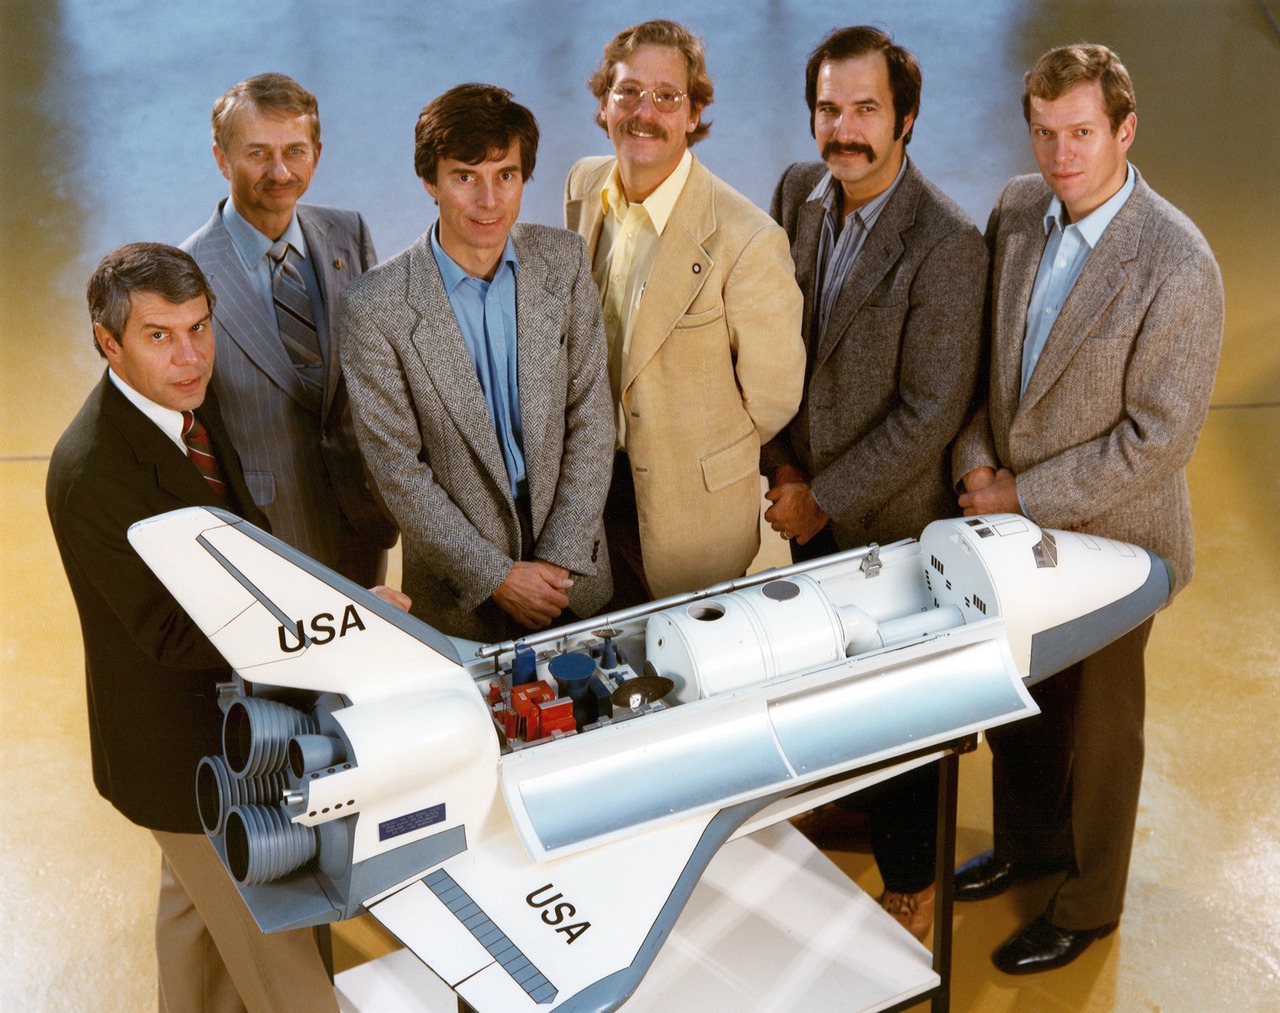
697, 268
339, 263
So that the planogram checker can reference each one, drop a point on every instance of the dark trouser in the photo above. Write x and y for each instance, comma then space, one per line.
1066, 782
904, 809
622, 528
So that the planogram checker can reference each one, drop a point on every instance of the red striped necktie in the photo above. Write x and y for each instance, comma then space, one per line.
200, 451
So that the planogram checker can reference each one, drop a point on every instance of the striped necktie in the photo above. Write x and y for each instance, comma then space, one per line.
200, 451
296, 322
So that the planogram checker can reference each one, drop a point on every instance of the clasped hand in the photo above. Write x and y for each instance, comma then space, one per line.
533, 593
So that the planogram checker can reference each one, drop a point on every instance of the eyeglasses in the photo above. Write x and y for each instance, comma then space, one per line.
629, 97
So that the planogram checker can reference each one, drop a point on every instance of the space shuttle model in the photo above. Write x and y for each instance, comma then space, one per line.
531, 817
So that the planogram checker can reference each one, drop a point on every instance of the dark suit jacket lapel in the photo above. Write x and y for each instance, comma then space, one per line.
679, 272
225, 451
242, 315
880, 251
1103, 276
174, 473
439, 343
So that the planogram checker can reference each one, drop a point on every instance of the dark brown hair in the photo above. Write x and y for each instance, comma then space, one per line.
845, 44
473, 122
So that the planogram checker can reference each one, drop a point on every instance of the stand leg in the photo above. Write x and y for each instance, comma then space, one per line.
948, 778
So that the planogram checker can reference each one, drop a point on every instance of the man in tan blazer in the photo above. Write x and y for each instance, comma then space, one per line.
1106, 319
702, 316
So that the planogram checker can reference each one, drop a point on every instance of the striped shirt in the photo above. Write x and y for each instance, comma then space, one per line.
838, 247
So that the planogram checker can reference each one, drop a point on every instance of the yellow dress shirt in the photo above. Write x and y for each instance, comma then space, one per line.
629, 238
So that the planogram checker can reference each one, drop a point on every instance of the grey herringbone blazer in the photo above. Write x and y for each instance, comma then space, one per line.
891, 381
1101, 437
304, 471
430, 442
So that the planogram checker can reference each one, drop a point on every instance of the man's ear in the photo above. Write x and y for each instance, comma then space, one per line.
110, 347
220, 157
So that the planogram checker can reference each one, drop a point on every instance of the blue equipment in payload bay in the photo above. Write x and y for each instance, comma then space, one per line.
480, 801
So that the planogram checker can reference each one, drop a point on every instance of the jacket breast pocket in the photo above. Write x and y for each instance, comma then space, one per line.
693, 320
730, 464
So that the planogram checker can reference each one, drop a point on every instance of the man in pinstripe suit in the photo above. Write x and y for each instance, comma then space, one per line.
477, 368
283, 395
1106, 323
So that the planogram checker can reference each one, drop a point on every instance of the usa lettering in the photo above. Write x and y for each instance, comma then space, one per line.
556, 914
324, 628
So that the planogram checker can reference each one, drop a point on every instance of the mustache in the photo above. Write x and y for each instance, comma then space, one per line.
635, 126
848, 148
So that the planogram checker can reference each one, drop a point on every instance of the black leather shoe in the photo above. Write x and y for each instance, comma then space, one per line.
1042, 946
985, 876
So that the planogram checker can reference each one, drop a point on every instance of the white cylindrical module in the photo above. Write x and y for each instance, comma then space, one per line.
716, 645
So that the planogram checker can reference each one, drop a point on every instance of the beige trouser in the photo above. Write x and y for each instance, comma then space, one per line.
212, 957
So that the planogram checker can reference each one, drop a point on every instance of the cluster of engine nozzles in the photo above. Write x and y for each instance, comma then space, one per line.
239, 793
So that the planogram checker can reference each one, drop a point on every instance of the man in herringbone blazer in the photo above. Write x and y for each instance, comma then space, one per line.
292, 424
1106, 324
893, 274
477, 372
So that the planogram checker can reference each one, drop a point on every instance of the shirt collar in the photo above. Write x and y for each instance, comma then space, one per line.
658, 204
827, 192
169, 421
452, 273
251, 244
1092, 225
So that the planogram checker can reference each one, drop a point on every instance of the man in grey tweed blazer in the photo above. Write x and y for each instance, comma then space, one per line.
296, 438
1106, 324
893, 274
476, 365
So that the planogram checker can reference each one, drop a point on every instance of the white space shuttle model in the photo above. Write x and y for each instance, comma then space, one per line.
530, 818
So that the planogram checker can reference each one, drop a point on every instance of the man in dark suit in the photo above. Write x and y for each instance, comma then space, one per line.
278, 267
1106, 324
892, 273
477, 371
148, 440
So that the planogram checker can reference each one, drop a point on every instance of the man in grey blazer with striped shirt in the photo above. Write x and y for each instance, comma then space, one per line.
277, 267
1106, 324
476, 361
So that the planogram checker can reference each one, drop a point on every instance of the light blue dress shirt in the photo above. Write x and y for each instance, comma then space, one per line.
252, 246
486, 315
1065, 254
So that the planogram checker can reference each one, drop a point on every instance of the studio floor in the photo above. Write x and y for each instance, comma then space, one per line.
104, 139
